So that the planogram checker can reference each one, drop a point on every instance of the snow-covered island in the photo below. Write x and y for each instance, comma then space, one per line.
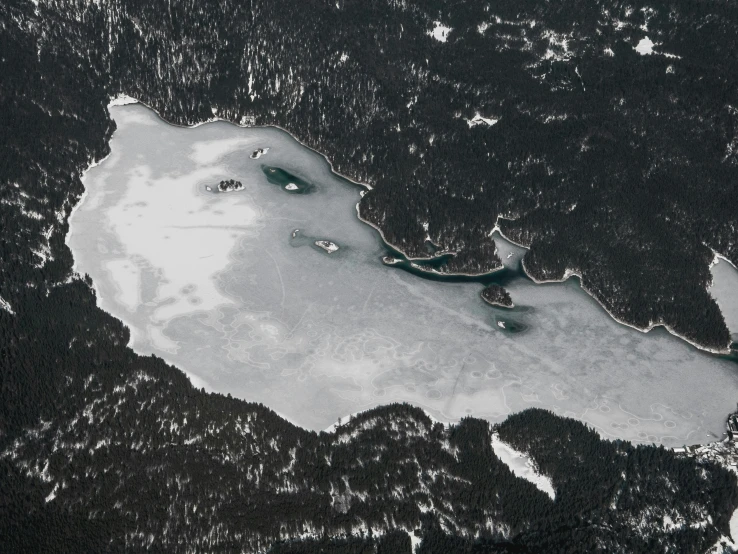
389, 260
291, 186
497, 296
230, 185
258, 153
327, 245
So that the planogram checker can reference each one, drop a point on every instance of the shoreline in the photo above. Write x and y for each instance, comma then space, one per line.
335, 428
411, 260
720, 258
571, 273
120, 100
496, 305
124, 99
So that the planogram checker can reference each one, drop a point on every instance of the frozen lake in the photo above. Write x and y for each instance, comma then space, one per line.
232, 288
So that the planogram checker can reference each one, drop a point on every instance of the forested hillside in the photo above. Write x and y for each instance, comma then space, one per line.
620, 167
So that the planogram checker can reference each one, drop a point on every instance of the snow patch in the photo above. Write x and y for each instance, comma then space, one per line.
479, 120
440, 31
5, 305
414, 541
645, 46
121, 100
52, 494
558, 46
522, 466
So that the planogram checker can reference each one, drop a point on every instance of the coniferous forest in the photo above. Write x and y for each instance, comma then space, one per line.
618, 166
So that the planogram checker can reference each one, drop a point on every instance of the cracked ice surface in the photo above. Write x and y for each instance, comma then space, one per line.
224, 287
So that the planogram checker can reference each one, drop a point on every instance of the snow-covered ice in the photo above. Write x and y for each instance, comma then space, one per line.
127, 276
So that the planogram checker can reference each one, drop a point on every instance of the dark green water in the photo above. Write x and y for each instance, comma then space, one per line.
501, 276
284, 179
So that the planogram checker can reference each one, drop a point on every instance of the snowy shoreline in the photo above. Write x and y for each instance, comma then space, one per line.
119, 100
498, 305
428, 259
571, 273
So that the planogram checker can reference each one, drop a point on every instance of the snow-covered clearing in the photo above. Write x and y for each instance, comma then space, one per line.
522, 466
440, 32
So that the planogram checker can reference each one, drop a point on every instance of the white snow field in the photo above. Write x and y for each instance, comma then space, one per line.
224, 287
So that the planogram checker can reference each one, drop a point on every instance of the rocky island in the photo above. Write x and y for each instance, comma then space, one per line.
497, 296
230, 185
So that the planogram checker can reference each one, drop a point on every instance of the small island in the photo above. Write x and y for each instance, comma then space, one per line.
258, 153
230, 185
497, 296
327, 245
